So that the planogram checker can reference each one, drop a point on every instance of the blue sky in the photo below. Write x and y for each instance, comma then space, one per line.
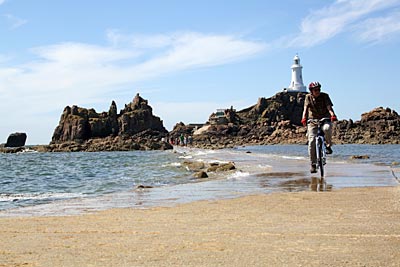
189, 58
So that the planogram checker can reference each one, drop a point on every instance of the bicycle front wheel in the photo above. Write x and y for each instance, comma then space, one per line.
320, 158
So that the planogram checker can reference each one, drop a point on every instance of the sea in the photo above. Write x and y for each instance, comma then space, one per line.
55, 184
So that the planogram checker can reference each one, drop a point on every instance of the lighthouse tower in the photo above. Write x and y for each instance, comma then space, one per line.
296, 85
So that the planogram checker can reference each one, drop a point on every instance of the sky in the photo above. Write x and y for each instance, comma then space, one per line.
189, 58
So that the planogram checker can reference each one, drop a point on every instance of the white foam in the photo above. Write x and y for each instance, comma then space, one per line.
238, 175
218, 161
204, 152
262, 166
294, 157
173, 164
186, 157
37, 196
27, 150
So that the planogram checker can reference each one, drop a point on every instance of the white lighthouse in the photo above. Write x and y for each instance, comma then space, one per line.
296, 85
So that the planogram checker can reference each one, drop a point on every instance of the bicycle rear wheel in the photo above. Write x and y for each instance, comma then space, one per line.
320, 160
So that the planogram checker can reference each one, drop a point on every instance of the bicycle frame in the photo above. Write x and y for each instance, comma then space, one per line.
320, 148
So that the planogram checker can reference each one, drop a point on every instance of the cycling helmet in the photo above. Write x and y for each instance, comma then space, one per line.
314, 85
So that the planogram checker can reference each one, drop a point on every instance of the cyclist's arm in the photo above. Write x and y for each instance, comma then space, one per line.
305, 112
330, 109
329, 106
305, 109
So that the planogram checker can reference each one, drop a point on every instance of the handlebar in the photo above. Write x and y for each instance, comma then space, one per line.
323, 120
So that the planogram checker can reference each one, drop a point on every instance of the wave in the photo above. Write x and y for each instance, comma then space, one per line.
294, 157
27, 150
204, 152
186, 157
238, 175
264, 166
172, 164
5, 197
194, 152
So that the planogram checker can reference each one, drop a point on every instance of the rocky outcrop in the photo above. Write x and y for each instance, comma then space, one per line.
11, 150
284, 106
270, 121
378, 126
134, 128
200, 169
146, 140
81, 124
16, 140
277, 120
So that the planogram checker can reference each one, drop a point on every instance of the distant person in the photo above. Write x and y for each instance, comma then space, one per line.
190, 140
317, 105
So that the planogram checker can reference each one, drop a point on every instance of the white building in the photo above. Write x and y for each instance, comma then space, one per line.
296, 85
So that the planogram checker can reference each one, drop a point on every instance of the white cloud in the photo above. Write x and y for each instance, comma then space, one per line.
141, 41
193, 50
15, 22
324, 24
77, 53
377, 30
76, 73
2, 2
75, 66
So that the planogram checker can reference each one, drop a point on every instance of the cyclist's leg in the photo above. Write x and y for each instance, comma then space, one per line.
312, 131
327, 128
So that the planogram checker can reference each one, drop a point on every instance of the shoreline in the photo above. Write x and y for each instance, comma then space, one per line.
76, 147
351, 226
255, 173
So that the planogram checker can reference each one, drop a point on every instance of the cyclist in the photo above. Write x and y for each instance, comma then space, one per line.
317, 105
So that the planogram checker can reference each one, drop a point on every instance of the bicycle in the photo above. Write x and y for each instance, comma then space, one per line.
320, 147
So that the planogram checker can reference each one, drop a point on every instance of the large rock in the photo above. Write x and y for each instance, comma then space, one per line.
378, 126
137, 117
74, 125
135, 124
16, 140
283, 106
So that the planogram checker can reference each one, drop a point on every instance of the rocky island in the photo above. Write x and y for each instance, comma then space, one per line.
277, 120
133, 128
274, 120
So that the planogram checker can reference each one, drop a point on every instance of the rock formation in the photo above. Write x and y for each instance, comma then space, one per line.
16, 140
200, 169
378, 126
134, 128
81, 124
277, 120
274, 120
284, 106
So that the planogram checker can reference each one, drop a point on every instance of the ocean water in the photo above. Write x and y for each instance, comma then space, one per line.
37, 184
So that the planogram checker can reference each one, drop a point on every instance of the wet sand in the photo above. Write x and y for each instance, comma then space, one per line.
346, 227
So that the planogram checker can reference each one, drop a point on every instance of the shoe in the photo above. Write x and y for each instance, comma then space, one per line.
329, 150
313, 168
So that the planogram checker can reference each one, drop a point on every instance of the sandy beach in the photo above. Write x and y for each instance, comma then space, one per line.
348, 227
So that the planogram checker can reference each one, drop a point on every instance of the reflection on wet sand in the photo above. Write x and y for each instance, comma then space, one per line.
294, 185
319, 185
280, 174
293, 181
